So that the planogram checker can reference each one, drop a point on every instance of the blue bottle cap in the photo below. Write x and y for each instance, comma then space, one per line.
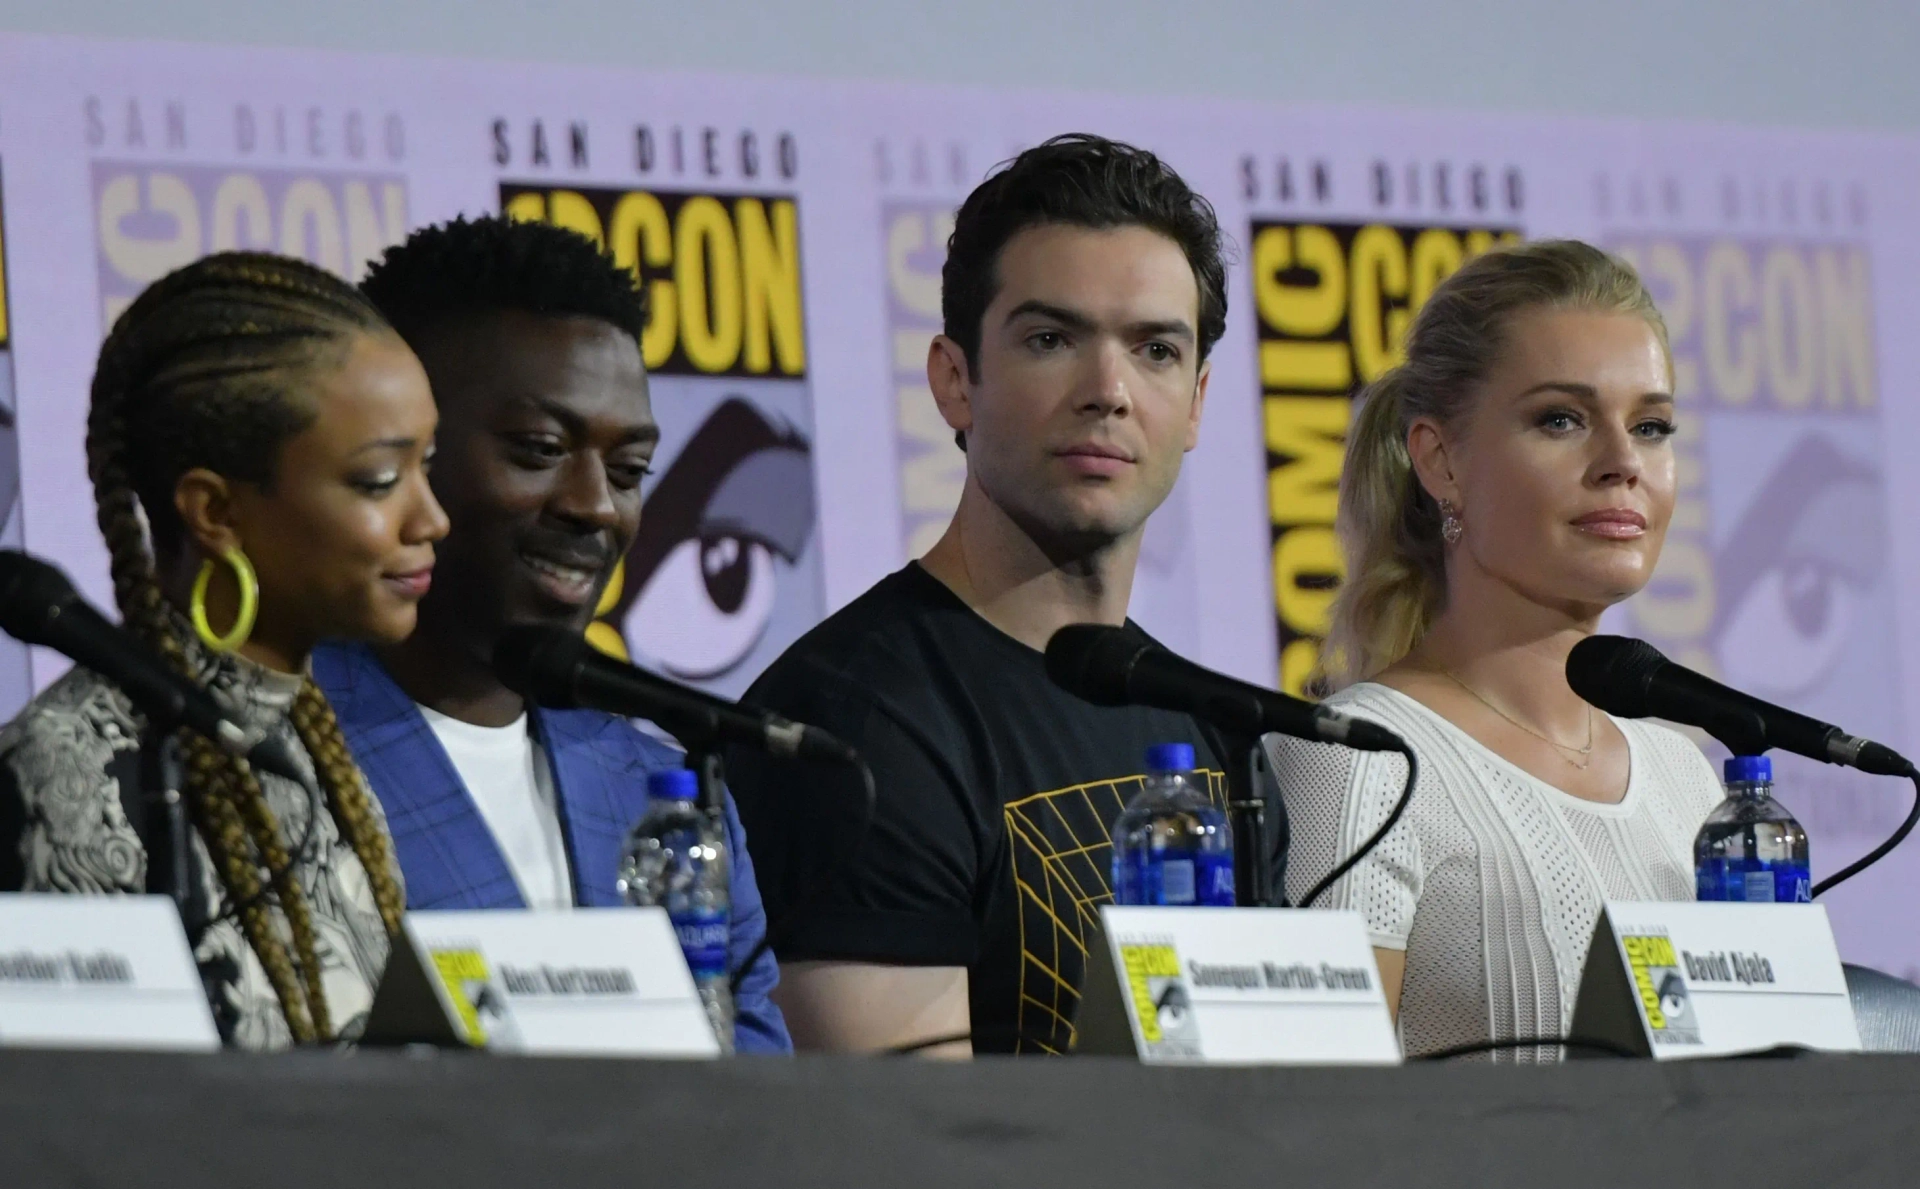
1749, 770
1170, 757
674, 784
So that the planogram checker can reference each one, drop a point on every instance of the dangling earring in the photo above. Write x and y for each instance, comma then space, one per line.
249, 602
1451, 526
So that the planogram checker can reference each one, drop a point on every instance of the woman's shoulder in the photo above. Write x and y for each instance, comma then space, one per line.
77, 723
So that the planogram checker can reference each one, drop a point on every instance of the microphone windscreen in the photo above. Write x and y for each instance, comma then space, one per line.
30, 589
1615, 674
539, 662
1093, 661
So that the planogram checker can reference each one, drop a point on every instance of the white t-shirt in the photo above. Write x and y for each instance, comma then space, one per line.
506, 774
1493, 880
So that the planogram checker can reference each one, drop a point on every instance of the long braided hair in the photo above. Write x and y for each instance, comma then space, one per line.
204, 370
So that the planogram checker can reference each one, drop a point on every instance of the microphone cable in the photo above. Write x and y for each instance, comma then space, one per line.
823, 881
1879, 852
1393, 819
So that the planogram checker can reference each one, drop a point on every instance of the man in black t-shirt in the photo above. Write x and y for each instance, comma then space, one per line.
1082, 291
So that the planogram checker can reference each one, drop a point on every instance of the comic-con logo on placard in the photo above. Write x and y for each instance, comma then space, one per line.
1335, 301
1162, 1004
1660, 987
724, 573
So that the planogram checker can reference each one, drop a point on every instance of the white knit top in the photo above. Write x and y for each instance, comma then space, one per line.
1492, 881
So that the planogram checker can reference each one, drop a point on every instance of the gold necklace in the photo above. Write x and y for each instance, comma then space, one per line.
1566, 751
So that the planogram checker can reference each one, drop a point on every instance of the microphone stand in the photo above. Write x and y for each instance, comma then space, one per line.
164, 832
1246, 763
705, 763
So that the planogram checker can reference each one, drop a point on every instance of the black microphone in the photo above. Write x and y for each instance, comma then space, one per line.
38, 605
1631, 678
556, 667
1111, 666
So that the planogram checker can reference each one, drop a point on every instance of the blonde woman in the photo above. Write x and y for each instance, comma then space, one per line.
1504, 487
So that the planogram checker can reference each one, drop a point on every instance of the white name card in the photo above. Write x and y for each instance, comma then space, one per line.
1708, 979
1234, 986
593, 981
99, 972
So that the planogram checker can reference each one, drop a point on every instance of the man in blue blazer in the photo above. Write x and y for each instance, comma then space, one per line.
531, 338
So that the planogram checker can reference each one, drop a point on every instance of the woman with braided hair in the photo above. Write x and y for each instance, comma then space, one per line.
258, 443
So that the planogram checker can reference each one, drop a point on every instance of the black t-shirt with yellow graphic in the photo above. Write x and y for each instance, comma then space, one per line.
997, 793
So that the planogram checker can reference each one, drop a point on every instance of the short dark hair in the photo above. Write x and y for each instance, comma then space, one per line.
1080, 180
493, 263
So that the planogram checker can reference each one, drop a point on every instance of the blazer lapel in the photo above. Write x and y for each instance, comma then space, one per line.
601, 791
445, 850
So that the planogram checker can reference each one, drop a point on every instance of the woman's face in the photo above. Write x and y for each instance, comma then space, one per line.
1563, 468
342, 540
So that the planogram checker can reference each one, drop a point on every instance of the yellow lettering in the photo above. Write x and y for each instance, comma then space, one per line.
770, 275
643, 241
241, 199
574, 211
1299, 311
1310, 431
706, 266
1307, 567
918, 291
1847, 319
1787, 312
310, 204
1379, 273
370, 231
1298, 661
137, 258
1436, 255
527, 207
1286, 363
1666, 262
1733, 359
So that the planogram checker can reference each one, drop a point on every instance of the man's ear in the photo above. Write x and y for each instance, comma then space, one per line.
1433, 459
1199, 403
950, 379
205, 502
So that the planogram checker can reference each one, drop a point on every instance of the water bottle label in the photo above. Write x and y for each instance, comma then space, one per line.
1753, 881
703, 939
1205, 880
1176, 881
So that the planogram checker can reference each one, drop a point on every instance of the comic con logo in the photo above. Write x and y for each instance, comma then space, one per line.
721, 576
1335, 302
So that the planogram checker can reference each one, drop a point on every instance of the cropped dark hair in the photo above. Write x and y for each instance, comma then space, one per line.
468, 266
1079, 180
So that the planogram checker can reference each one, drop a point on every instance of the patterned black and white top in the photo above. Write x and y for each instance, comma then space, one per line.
70, 769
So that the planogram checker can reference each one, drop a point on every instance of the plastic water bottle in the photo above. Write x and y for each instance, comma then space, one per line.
1751, 848
676, 859
1172, 845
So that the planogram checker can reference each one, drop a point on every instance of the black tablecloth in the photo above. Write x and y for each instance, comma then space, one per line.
389, 1118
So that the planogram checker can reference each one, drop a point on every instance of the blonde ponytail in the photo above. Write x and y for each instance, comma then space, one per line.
1389, 526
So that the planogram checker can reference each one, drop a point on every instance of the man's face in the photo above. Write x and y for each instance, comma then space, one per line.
546, 430
1089, 385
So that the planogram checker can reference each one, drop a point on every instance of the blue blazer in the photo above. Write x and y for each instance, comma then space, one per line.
600, 765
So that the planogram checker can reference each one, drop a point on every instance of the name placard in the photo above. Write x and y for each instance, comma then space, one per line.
99, 972
1678, 980
1234, 986
593, 981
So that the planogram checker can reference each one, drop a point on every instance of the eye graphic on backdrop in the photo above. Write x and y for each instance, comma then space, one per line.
697, 589
1795, 569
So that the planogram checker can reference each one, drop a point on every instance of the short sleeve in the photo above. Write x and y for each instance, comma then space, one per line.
902, 894
1335, 799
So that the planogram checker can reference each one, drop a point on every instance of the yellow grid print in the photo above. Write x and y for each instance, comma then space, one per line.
1062, 845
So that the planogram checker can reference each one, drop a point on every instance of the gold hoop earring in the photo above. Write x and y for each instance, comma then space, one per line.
249, 602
